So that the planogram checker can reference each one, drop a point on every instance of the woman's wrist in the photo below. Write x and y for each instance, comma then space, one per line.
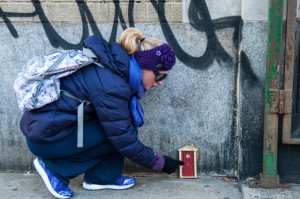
159, 163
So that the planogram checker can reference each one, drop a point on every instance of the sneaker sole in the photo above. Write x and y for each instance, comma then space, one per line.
98, 187
45, 178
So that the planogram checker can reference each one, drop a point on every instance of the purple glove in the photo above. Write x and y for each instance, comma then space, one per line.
159, 164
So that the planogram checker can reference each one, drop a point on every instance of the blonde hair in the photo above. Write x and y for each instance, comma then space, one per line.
130, 40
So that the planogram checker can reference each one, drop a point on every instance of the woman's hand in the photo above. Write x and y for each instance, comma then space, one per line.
171, 164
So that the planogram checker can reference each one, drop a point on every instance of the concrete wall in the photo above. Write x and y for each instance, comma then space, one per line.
213, 98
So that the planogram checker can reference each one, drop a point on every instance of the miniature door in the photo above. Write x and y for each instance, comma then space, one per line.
188, 155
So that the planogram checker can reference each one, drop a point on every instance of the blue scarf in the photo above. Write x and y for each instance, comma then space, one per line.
138, 90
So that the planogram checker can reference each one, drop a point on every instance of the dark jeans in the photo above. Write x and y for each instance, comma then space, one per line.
98, 159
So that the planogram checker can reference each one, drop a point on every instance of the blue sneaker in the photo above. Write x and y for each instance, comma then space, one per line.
57, 188
124, 182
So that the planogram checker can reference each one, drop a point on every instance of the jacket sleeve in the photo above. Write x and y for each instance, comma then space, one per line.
113, 113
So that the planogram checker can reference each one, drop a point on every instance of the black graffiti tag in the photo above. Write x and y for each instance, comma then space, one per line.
199, 18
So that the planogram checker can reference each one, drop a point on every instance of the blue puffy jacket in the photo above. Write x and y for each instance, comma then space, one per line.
109, 93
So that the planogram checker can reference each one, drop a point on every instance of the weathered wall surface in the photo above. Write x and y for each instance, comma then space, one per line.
251, 86
212, 98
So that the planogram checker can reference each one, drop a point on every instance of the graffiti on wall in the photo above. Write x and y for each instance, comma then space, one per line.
199, 18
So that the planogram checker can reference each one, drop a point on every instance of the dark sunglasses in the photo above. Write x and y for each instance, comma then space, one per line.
159, 77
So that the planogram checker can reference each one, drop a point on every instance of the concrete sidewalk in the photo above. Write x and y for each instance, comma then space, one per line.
31, 186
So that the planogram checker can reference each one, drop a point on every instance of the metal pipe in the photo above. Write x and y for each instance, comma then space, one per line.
269, 177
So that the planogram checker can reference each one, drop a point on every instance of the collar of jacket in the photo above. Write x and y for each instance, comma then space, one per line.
137, 89
135, 79
110, 55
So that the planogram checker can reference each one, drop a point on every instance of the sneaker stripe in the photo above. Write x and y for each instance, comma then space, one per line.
98, 186
124, 182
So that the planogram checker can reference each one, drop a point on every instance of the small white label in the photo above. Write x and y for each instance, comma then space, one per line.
187, 155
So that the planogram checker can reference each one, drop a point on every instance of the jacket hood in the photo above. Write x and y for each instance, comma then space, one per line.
110, 55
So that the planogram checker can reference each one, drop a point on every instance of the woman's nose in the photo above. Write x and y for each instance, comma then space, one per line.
160, 83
